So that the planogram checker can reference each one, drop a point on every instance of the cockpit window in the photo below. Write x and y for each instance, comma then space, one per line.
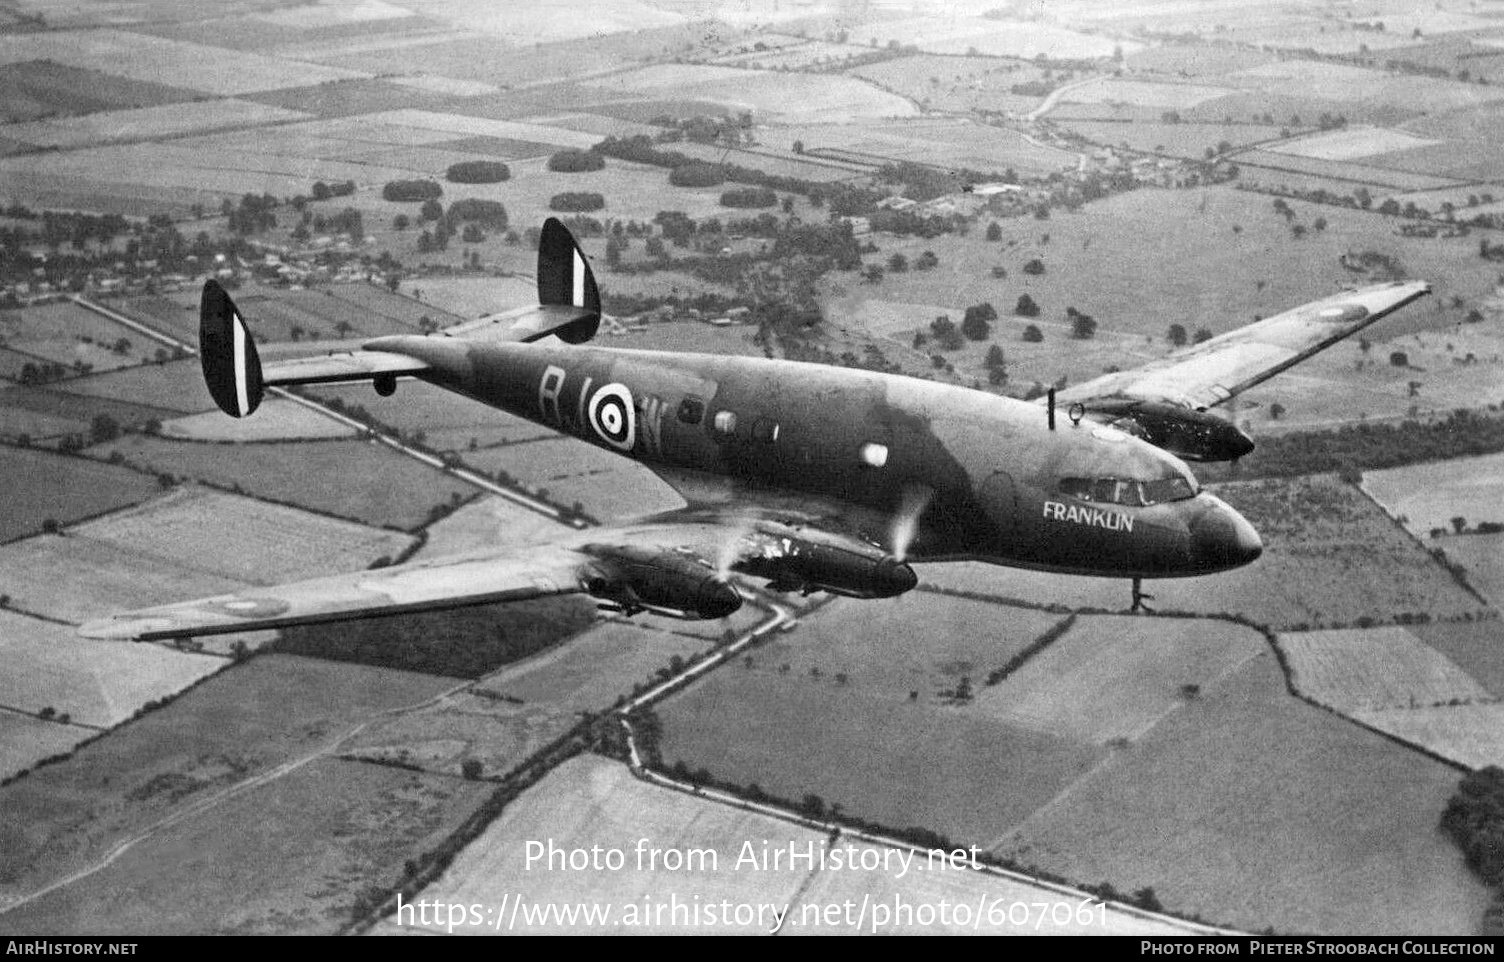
1126, 492
1167, 489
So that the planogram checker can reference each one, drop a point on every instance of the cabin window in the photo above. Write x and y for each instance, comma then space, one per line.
725, 422
764, 429
874, 454
691, 410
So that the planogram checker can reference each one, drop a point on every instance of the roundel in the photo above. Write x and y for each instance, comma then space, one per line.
612, 416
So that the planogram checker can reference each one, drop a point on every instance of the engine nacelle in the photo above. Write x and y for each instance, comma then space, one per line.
631, 580
1184, 432
846, 567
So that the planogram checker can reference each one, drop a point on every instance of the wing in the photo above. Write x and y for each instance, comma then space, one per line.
423, 586
662, 566
1213, 371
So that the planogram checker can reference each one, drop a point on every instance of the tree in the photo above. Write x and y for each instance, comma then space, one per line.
1027, 308
477, 172
576, 161
897, 264
1176, 335
994, 231
576, 201
400, 222
431, 210
926, 261
1276, 411
1083, 326
104, 428
471, 768
411, 190
697, 175
1202, 334
1035, 266
976, 325
1399, 359
1459, 524
946, 333
872, 273
1033, 335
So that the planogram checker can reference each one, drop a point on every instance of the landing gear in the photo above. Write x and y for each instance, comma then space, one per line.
1139, 597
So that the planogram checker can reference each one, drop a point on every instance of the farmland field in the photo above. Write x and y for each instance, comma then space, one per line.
74, 579
1183, 139
1137, 287
589, 671
961, 143
1429, 496
461, 728
1253, 809
931, 642
244, 721
1114, 677
951, 767
1471, 645
97, 683
177, 386
64, 323
489, 521
288, 857
351, 479
1160, 96
1471, 735
33, 89
1372, 173
1332, 556
149, 123
1372, 669
25, 740
136, 56
581, 803
1351, 144
994, 38
784, 97
959, 83
276, 420
1483, 557
41, 485
570, 470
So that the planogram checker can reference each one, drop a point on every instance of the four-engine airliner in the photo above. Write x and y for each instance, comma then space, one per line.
811, 477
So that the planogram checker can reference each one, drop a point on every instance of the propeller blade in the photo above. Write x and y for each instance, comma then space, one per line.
916, 497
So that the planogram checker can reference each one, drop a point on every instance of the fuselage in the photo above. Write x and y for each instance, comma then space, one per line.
1000, 483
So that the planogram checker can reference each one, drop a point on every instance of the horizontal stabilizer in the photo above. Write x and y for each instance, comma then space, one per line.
343, 366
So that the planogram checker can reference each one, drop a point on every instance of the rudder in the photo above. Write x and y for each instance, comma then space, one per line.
232, 368
565, 279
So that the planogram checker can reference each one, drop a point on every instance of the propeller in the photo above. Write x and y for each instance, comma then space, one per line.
730, 546
916, 497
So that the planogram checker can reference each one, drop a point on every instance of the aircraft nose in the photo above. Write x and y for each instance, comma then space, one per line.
1222, 539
